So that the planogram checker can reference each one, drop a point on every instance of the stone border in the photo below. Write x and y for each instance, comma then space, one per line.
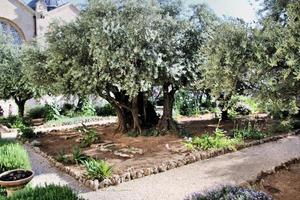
274, 170
162, 167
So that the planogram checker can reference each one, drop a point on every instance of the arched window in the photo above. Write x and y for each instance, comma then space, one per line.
8, 29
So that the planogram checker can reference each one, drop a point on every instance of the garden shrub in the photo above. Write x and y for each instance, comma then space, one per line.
97, 169
249, 134
14, 121
37, 112
52, 112
62, 157
216, 141
68, 110
90, 136
78, 156
26, 132
282, 127
48, 192
88, 109
13, 156
231, 193
106, 110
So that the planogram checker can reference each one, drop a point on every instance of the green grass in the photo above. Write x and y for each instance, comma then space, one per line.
49, 192
13, 156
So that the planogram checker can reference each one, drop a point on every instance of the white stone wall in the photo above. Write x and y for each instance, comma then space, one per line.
21, 16
61, 15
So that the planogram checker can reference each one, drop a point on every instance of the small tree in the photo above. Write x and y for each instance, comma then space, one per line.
225, 67
14, 82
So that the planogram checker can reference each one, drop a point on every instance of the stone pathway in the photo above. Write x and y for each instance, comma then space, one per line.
47, 174
233, 168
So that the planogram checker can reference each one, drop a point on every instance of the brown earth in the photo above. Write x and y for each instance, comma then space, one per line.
283, 185
152, 150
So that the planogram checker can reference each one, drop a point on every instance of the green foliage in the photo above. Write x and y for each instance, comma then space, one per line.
14, 82
277, 44
97, 169
74, 120
18, 123
232, 193
26, 132
37, 112
48, 192
78, 156
249, 133
106, 110
90, 136
282, 126
62, 157
52, 112
216, 141
13, 156
88, 109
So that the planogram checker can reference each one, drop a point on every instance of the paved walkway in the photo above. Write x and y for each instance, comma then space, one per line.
233, 168
176, 184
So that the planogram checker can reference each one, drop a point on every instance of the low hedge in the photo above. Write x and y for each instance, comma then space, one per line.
13, 156
48, 192
232, 193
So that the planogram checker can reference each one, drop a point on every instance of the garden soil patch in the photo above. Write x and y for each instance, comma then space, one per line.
283, 185
129, 153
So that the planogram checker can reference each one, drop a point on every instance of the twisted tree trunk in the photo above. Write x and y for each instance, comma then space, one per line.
167, 123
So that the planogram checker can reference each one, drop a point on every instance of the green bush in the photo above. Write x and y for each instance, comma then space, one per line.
88, 109
52, 112
48, 192
106, 110
230, 193
249, 134
37, 112
26, 132
97, 169
13, 156
62, 157
78, 156
216, 141
90, 136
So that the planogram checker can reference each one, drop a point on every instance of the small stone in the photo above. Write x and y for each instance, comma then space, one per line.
35, 143
123, 155
96, 184
140, 173
162, 168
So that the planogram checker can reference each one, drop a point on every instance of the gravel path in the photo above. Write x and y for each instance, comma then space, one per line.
47, 174
233, 168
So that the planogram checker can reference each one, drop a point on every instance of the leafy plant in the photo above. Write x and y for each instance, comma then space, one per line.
51, 112
37, 112
48, 192
216, 141
90, 136
249, 132
88, 109
62, 157
106, 110
13, 156
232, 193
97, 169
78, 156
27, 132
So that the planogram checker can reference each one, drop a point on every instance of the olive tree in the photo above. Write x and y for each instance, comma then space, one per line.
14, 82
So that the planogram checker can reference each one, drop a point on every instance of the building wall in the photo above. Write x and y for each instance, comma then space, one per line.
20, 15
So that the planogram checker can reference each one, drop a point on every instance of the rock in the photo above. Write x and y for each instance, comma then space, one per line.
96, 185
123, 155
132, 150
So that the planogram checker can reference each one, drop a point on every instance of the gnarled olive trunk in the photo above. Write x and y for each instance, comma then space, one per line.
167, 123
21, 106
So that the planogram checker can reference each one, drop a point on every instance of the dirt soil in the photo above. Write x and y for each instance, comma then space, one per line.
284, 185
128, 153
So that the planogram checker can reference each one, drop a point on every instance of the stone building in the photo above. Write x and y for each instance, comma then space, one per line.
25, 22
